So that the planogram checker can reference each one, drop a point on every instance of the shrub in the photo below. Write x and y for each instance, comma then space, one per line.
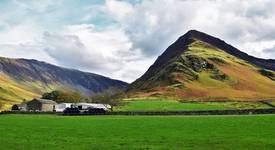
267, 73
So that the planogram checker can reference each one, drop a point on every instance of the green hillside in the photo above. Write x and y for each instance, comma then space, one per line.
13, 92
172, 105
201, 71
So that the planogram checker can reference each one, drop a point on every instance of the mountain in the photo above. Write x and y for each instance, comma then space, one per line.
25, 79
199, 66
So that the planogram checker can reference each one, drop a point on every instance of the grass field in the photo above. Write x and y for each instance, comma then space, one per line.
163, 105
137, 132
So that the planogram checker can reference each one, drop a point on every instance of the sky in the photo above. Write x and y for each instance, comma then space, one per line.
121, 39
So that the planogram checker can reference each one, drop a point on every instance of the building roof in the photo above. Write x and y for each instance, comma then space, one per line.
66, 103
95, 105
22, 105
45, 101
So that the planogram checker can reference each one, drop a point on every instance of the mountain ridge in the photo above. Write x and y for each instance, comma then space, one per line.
43, 63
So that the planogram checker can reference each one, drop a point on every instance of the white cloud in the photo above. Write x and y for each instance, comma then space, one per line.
38, 6
25, 51
118, 9
24, 32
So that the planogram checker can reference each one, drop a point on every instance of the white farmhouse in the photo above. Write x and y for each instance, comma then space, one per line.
93, 105
62, 106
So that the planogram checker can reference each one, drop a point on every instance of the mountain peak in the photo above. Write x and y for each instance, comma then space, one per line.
183, 42
193, 33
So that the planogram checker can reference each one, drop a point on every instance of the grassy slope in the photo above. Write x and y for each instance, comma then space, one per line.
244, 83
164, 105
14, 92
139, 132
245, 80
11, 92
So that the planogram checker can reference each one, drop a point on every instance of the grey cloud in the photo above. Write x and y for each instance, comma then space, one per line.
69, 51
270, 51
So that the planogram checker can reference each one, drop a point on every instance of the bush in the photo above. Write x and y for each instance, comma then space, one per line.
110, 99
267, 73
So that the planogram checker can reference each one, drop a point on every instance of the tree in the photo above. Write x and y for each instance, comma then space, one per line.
109, 99
51, 95
63, 96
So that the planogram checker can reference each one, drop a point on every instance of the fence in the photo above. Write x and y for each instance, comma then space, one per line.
184, 112
195, 112
27, 112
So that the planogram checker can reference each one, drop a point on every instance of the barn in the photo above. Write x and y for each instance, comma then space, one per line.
41, 105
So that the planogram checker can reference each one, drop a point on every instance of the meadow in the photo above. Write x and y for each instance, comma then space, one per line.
137, 132
166, 105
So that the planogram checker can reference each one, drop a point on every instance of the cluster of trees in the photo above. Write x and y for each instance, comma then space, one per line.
63, 96
113, 99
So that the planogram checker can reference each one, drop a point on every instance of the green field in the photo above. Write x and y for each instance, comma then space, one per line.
137, 132
164, 105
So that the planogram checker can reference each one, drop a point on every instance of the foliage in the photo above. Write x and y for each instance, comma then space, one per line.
217, 60
63, 96
267, 73
110, 99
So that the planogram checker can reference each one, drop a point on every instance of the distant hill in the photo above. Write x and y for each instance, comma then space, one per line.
25, 79
201, 67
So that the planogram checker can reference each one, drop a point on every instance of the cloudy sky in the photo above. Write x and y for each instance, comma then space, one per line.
121, 39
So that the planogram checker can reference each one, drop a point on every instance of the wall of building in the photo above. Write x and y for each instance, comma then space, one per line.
47, 107
34, 106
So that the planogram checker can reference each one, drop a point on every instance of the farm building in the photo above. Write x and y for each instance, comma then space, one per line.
19, 107
62, 106
41, 105
82, 106
93, 105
